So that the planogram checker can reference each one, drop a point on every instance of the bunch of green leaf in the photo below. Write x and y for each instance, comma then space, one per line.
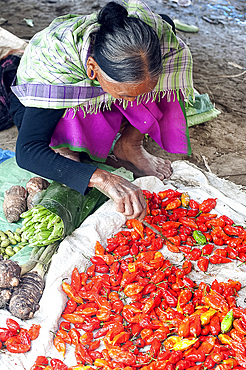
41, 227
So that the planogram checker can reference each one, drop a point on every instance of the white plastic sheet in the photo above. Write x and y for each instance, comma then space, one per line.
231, 201
10, 44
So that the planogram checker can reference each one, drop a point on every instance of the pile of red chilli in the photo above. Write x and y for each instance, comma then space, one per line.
147, 312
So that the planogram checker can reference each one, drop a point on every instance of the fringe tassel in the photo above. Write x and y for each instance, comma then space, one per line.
98, 106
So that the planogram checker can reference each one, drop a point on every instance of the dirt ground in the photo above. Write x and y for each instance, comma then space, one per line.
218, 51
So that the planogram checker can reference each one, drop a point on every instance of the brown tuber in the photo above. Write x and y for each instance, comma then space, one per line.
30, 201
15, 203
36, 184
33, 186
9, 273
25, 298
5, 295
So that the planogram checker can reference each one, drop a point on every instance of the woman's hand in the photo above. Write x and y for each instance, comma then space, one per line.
128, 198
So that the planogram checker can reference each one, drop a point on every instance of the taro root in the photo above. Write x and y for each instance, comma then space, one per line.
15, 203
5, 295
9, 273
30, 202
33, 186
36, 184
25, 298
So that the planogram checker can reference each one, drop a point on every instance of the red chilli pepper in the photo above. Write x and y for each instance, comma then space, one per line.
215, 259
186, 221
207, 205
12, 325
202, 264
58, 364
40, 362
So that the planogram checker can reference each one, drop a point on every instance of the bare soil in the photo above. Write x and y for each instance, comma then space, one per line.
218, 51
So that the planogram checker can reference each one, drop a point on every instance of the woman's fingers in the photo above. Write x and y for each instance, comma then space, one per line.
135, 207
143, 211
134, 203
128, 198
138, 205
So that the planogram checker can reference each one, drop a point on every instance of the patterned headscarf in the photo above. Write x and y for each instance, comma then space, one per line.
52, 72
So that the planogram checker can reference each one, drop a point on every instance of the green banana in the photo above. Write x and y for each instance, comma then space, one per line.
185, 27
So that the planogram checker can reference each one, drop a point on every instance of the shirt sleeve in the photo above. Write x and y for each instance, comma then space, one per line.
34, 154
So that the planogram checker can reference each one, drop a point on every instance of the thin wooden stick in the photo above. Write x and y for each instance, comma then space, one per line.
240, 74
157, 232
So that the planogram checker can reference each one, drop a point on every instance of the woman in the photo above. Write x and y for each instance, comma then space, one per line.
86, 78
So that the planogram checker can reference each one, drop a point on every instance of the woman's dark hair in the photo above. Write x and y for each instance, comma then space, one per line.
126, 48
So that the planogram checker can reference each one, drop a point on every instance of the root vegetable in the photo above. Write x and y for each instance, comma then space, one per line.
9, 273
36, 184
15, 203
5, 295
33, 186
30, 203
25, 298
31, 198
24, 301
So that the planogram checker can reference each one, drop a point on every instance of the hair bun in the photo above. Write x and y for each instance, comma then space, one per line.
112, 14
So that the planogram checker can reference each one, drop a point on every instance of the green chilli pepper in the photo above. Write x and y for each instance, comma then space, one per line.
227, 321
199, 237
